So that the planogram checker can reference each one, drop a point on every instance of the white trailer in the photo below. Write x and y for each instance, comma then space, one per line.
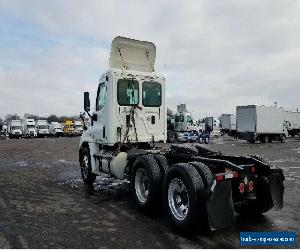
42, 128
29, 128
228, 122
261, 123
15, 129
56, 129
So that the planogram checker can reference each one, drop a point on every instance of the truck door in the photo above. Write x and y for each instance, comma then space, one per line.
99, 116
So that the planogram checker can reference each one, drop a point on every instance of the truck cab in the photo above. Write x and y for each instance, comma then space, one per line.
69, 128
15, 129
130, 103
78, 128
30, 128
42, 128
55, 129
184, 122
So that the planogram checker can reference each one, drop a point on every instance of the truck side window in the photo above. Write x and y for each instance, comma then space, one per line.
128, 92
101, 97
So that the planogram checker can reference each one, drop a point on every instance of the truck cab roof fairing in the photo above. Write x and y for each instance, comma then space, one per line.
132, 54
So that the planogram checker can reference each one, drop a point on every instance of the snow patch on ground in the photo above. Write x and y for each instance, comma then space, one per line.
296, 149
21, 163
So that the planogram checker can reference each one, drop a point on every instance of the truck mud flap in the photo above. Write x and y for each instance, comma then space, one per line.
220, 206
277, 188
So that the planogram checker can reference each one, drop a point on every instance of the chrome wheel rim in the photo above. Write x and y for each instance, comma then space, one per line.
178, 199
141, 185
85, 166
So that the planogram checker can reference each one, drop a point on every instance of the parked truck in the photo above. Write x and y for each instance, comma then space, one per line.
228, 122
260, 123
293, 122
29, 128
198, 187
3, 131
15, 129
69, 128
184, 128
78, 128
56, 129
42, 127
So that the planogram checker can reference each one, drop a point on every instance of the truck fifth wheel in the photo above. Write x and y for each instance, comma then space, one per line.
198, 187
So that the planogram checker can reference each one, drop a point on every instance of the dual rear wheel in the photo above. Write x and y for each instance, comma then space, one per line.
180, 188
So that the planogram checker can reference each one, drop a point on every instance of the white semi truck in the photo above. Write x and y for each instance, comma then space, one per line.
3, 131
184, 128
42, 128
228, 122
15, 129
56, 129
29, 128
198, 187
261, 123
78, 127
293, 122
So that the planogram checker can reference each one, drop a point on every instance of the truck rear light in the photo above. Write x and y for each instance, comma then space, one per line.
219, 177
235, 174
242, 188
253, 169
226, 175
250, 186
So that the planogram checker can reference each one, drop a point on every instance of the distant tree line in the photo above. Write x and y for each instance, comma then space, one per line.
50, 118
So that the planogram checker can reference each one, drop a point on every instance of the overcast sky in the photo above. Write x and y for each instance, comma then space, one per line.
215, 54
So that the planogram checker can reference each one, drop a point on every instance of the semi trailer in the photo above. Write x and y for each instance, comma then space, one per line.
198, 188
261, 123
228, 122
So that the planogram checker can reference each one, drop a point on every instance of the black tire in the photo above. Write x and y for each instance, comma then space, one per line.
200, 140
146, 195
282, 138
206, 140
86, 167
172, 137
193, 193
206, 175
162, 163
263, 201
270, 139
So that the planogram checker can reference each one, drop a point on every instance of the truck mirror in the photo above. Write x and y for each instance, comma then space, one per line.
87, 101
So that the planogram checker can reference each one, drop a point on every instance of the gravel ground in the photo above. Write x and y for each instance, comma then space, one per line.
44, 204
